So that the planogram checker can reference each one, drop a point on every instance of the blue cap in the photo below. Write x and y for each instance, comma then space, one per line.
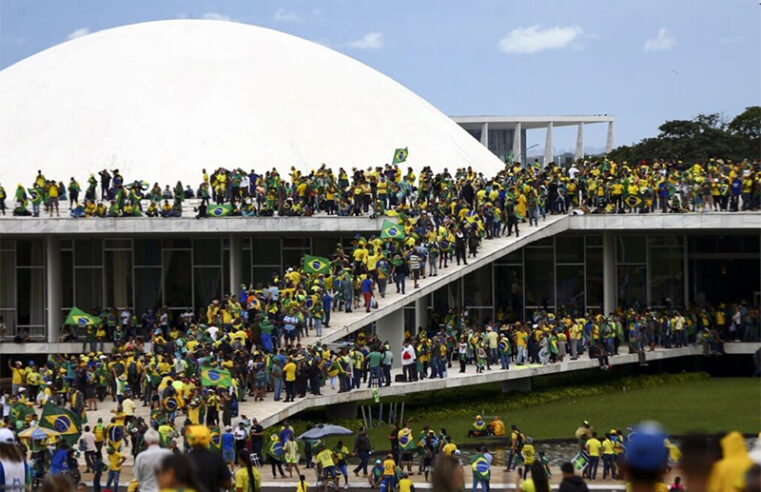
646, 449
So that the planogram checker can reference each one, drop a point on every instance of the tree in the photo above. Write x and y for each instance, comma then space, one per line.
703, 137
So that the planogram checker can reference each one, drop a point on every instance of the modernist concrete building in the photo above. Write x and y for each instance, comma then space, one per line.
163, 100
505, 136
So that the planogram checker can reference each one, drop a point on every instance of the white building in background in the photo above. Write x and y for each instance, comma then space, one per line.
505, 136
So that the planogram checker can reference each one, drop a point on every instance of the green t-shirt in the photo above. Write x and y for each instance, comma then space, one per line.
374, 359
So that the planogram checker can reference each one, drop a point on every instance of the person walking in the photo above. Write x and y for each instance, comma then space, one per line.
145, 462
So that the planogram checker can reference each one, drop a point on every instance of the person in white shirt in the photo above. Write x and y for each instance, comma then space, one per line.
409, 360
147, 462
88, 438
13, 468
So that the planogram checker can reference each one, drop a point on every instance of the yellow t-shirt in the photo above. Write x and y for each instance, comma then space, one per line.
326, 458
115, 461
242, 479
389, 467
290, 371
302, 486
405, 485
593, 447
607, 447
18, 376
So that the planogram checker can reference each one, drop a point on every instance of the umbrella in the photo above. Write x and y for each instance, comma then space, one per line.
324, 430
38, 433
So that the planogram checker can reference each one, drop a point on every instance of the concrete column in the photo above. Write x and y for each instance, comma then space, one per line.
421, 313
485, 135
236, 263
609, 141
517, 147
53, 287
548, 145
580, 141
609, 272
390, 328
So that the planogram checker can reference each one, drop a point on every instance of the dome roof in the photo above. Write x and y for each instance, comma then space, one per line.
161, 100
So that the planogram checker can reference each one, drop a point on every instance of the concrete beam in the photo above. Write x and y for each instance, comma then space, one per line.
609, 140
53, 287
548, 145
609, 299
517, 146
580, 142
236, 263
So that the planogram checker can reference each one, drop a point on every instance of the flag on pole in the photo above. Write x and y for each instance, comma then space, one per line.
61, 420
35, 195
390, 230
77, 317
212, 376
316, 264
400, 155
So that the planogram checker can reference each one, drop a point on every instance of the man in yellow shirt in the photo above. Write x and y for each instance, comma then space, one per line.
608, 457
289, 375
18, 374
325, 460
593, 446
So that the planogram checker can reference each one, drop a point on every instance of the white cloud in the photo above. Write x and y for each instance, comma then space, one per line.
78, 33
286, 16
662, 41
370, 41
533, 39
731, 39
216, 16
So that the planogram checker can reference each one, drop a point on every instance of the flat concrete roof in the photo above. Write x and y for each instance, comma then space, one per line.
66, 226
529, 122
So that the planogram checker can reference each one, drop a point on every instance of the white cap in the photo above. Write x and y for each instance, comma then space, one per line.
6, 436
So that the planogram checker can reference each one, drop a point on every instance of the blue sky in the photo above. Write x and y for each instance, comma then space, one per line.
643, 61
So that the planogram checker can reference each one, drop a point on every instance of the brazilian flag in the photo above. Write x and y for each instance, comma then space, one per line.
77, 317
275, 448
316, 264
215, 441
391, 230
633, 201
400, 155
481, 468
61, 420
212, 376
115, 435
219, 210
35, 194
171, 404
406, 441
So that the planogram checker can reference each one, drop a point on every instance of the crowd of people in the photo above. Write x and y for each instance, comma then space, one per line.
594, 186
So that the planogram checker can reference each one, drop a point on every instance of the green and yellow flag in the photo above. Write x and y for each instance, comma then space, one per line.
391, 230
316, 264
223, 210
481, 469
61, 420
633, 201
77, 317
214, 376
400, 155
35, 195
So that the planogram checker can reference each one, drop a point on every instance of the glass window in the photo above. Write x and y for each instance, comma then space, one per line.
540, 277
177, 243
293, 257
30, 252
571, 288
631, 249
147, 252
88, 252
245, 275
88, 294
724, 244
296, 242
67, 278
667, 276
594, 277
508, 295
30, 301
147, 289
7, 285
8, 244
119, 279
264, 274
118, 243
266, 251
8, 316
325, 246
446, 298
514, 257
478, 287
207, 251
632, 285
178, 282
208, 286
594, 240
569, 249
723, 280
479, 316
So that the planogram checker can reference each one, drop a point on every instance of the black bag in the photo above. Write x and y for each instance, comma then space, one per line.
400, 378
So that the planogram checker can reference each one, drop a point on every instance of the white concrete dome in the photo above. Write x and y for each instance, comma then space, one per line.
161, 100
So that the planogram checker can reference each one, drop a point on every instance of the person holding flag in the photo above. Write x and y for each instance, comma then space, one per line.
481, 467
407, 444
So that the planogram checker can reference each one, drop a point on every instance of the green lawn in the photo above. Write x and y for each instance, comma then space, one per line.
709, 405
